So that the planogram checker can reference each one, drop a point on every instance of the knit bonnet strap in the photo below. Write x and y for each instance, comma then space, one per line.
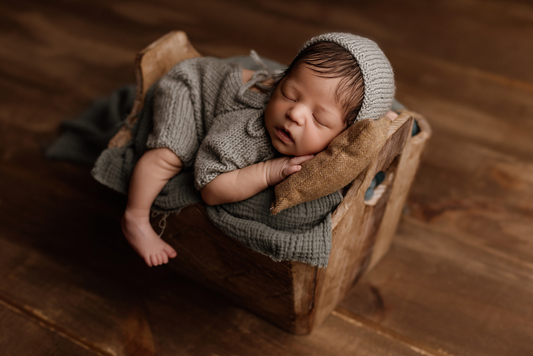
256, 99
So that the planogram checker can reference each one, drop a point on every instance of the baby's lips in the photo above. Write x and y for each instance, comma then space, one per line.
284, 135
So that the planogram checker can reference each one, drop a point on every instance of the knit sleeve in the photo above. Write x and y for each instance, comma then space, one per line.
235, 141
185, 102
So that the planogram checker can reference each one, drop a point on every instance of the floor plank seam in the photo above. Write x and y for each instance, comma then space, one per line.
421, 56
42, 321
417, 347
505, 81
502, 256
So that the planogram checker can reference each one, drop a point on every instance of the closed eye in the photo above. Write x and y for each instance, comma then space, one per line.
286, 97
321, 124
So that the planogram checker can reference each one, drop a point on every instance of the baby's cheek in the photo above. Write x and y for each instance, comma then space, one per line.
315, 143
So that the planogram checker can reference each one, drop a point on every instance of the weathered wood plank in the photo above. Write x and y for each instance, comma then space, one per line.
338, 335
487, 199
334, 281
72, 268
429, 30
405, 172
155, 312
355, 224
452, 109
449, 295
252, 280
21, 335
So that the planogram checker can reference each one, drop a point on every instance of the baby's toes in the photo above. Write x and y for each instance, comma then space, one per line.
148, 261
170, 252
153, 259
159, 258
164, 257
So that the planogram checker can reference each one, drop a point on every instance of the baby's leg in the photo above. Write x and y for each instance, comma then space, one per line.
155, 168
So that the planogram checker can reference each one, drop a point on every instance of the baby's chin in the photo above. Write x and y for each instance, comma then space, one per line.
288, 151
282, 149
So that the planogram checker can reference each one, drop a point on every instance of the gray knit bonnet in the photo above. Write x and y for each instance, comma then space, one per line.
378, 77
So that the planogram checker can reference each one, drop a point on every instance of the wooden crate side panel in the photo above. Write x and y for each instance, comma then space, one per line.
305, 296
252, 280
371, 222
394, 145
399, 132
409, 161
354, 239
332, 281
351, 244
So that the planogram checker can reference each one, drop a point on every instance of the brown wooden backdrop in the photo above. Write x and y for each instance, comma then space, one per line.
458, 279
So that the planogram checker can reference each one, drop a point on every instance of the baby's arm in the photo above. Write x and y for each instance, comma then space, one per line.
155, 168
241, 184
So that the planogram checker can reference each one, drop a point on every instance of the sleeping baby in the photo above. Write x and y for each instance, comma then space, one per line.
243, 131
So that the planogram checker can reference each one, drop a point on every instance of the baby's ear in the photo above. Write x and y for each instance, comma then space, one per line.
335, 167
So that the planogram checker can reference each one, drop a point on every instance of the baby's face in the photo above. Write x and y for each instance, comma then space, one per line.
302, 116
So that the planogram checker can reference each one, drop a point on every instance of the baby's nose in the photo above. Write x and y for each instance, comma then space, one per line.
298, 113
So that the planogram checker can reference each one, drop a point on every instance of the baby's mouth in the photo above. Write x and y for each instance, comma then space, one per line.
284, 135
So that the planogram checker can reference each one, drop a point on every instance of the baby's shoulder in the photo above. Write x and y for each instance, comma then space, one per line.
248, 74
202, 66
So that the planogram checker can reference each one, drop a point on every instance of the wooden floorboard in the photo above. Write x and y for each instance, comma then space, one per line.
103, 298
457, 280
23, 334
449, 295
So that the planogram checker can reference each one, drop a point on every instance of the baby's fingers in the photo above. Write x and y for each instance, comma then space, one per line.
294, 164
300, 159
287, 171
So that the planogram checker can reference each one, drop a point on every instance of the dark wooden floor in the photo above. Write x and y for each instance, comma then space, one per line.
458, 279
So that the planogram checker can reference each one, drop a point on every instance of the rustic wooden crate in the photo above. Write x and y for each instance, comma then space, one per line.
295, 296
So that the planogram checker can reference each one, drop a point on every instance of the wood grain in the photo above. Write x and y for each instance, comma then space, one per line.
355, 224
20, 335
456, 279
405, 172
448, 294
121, 308
254, 281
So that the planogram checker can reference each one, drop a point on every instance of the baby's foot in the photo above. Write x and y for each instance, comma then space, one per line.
145, 241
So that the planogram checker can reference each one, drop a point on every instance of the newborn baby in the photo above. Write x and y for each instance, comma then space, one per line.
243, 131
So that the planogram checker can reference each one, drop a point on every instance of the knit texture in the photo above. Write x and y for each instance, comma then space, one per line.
223, 130
189, 98
378, 77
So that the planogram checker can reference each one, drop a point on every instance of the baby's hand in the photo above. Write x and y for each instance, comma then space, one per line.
280, 168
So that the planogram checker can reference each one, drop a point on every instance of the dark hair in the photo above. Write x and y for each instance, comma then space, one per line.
331, 60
